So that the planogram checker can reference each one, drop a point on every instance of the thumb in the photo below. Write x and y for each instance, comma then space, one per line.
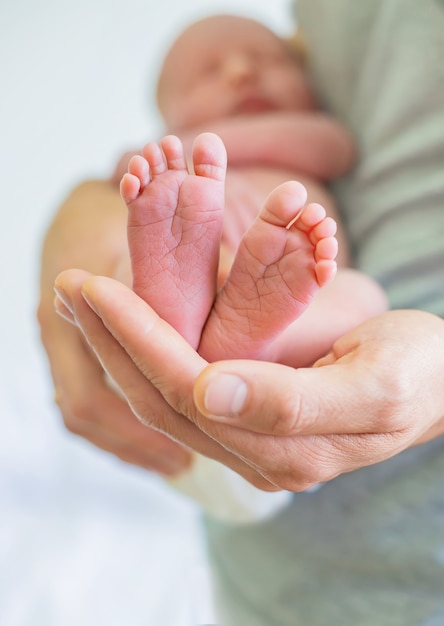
274, 399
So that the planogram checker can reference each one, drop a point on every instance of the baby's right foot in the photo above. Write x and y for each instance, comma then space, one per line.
174, 228
283, 260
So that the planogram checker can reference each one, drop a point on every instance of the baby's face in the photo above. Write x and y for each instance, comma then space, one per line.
226, 66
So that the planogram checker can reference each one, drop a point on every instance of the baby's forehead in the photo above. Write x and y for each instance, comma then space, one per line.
214, 34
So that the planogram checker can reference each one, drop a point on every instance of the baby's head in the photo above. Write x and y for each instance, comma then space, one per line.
227, 65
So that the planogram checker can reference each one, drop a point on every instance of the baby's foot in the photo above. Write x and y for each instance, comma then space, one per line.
174, 228
283, 260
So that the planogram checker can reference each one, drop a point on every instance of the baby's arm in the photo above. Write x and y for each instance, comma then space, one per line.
309, 142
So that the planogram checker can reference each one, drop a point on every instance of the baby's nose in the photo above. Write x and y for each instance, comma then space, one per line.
239, 67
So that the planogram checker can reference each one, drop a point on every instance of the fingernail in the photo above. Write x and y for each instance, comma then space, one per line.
89, 302
225, 395
61, 293
63, 310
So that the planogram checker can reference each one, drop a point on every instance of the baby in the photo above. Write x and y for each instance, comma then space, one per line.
234, 77
242, 261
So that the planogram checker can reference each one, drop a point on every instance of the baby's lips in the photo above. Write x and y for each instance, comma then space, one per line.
254, 104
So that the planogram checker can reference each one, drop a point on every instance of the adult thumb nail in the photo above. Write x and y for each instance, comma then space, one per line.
225, 395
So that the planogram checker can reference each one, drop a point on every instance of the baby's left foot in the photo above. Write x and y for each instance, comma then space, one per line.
283, 260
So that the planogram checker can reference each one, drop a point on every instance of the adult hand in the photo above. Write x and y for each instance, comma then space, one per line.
90, 231
378, 392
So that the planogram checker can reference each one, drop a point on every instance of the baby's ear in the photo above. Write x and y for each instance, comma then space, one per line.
296, 46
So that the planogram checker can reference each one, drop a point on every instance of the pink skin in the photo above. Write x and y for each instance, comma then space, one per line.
174, 229
174, 232
283, 260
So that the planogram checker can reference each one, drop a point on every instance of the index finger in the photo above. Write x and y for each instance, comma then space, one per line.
151, 363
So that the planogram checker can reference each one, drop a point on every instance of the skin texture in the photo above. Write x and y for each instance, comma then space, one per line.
174, 227
234, 77
228, 51
381, 389
238, 76
381, 383
89, 231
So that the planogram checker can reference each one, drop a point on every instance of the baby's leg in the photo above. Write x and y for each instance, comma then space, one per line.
283, 260
174, 228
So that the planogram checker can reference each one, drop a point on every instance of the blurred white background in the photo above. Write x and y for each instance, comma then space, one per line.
84, 539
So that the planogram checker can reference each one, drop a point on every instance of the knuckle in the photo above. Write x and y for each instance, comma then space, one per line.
142, 410
80, 408
295, 414
396, 399
72, 425
76, 411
